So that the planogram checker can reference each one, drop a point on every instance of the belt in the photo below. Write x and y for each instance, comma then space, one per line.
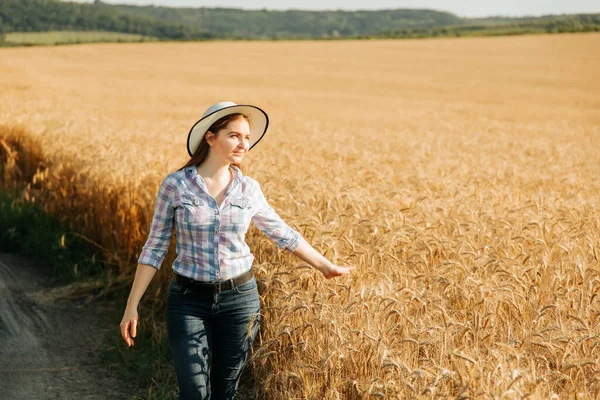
213, 287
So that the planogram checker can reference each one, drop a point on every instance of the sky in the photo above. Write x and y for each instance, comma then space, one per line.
462, 8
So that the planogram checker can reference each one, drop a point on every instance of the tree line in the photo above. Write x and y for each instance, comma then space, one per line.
53, 15
229, 23
505, 26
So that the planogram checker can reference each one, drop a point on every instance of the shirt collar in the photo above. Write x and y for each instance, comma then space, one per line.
237, 173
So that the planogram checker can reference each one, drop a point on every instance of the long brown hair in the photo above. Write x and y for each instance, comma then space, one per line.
202, 151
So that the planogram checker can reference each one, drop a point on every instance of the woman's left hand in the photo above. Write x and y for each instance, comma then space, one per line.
331, 271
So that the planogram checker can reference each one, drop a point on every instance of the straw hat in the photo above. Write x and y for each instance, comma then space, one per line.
259, 121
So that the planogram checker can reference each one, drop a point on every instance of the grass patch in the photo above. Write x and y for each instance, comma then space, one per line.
25, 228
146, 368
70, 37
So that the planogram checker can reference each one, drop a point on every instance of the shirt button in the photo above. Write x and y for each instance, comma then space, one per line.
217, 231
217, 251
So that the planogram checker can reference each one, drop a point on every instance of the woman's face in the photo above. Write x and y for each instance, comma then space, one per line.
232, 142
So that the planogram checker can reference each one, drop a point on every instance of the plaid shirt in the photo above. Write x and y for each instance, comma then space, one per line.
211, 242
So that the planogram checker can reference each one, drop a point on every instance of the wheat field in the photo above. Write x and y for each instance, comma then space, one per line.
460, 177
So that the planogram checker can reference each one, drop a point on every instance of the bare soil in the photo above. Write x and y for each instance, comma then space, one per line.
49, 344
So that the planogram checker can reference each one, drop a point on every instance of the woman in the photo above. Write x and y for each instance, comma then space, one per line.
213, 306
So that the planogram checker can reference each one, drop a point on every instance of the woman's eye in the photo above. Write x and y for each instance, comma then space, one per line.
236, 136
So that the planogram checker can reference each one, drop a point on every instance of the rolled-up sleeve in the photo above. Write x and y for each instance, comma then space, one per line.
271, 224
161, 230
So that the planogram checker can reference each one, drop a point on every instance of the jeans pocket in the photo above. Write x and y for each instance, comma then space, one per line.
176, 288
247, 287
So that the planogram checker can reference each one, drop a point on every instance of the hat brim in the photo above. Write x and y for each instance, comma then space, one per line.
259, 121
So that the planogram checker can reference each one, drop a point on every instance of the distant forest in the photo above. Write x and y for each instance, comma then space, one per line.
227, 23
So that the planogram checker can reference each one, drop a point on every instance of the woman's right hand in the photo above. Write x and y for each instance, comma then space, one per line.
143, 275
129, 325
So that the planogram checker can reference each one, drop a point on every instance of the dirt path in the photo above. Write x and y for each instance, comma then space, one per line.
48, 347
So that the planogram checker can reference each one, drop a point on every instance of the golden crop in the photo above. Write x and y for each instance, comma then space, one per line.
460, 176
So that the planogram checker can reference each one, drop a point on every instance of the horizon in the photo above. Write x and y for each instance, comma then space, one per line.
460, 8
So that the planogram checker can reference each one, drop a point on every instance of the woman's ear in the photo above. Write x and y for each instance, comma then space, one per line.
209, 137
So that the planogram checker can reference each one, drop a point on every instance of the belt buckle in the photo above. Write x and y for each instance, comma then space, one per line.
215, 286
219, 285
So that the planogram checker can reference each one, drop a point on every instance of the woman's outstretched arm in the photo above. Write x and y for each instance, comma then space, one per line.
271, 224
307, 253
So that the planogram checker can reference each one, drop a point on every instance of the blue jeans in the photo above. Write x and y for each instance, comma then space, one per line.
210, 336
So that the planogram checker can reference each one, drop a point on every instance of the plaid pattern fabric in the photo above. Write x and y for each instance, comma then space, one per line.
211, 242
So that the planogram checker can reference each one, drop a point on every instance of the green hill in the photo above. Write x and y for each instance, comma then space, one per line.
295, 23
53, 15
228, 23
